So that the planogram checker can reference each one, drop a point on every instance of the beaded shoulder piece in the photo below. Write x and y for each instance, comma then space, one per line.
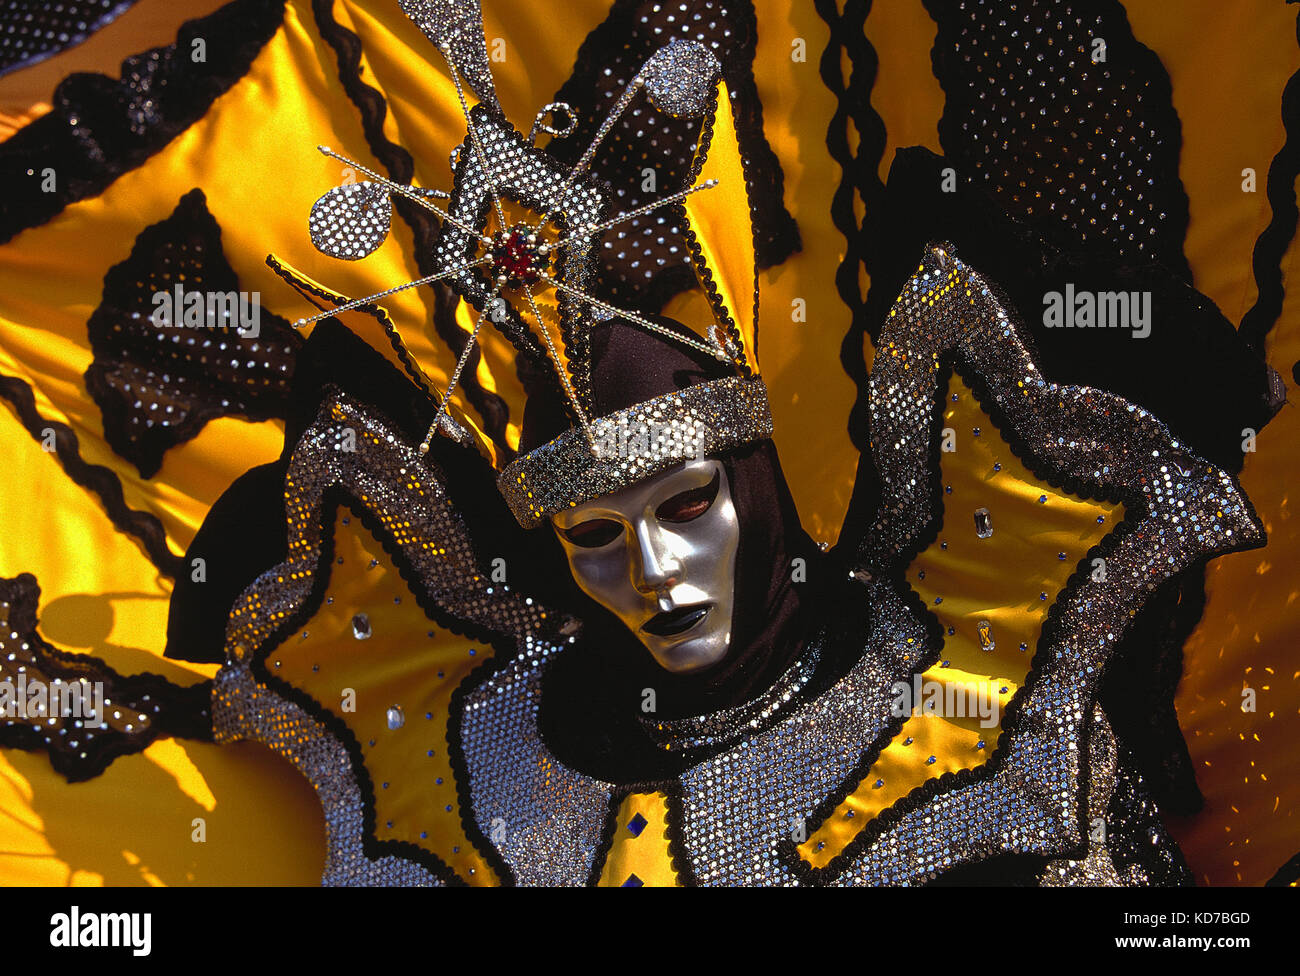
1030, 796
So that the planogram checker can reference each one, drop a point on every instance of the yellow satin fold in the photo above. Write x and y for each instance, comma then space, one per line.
719, 217
639, 855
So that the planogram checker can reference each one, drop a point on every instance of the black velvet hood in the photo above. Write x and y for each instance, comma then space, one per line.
593, 694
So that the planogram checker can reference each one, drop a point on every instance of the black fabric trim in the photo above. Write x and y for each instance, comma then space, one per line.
144, 527
1141, 681
18, 19
1131, 78
174, 710
1005, 871
100, 127
859, 174
372, 108
1129, 822
122, 338
243, 534
378, 312
1272, 245
677, 852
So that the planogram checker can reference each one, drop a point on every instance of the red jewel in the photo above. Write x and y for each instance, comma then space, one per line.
514, 257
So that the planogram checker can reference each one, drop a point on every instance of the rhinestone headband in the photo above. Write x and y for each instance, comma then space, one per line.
632, 444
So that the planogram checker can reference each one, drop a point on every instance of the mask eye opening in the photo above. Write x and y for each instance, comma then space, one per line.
593, 533
688, 505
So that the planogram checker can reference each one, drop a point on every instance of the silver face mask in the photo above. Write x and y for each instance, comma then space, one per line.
661, 556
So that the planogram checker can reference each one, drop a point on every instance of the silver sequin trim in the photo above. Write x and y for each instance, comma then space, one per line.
721, 727
634, 444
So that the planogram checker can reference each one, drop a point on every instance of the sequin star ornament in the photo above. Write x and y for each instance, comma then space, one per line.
511, 267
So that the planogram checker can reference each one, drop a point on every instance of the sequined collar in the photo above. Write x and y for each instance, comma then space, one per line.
719, 728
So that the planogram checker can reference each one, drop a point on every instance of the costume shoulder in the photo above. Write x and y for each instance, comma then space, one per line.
1178, 509
377, 547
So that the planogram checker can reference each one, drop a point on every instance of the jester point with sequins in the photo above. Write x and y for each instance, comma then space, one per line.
675, 683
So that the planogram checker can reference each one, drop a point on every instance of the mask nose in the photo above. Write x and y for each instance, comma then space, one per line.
654, 566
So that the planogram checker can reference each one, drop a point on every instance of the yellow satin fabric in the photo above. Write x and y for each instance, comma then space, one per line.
719, 218
967, 580
407, 663
640, 857
253, 153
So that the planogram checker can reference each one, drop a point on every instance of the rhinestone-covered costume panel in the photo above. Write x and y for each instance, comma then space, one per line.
741, 805
544, 819
349, 449
1180, 509
511, 167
